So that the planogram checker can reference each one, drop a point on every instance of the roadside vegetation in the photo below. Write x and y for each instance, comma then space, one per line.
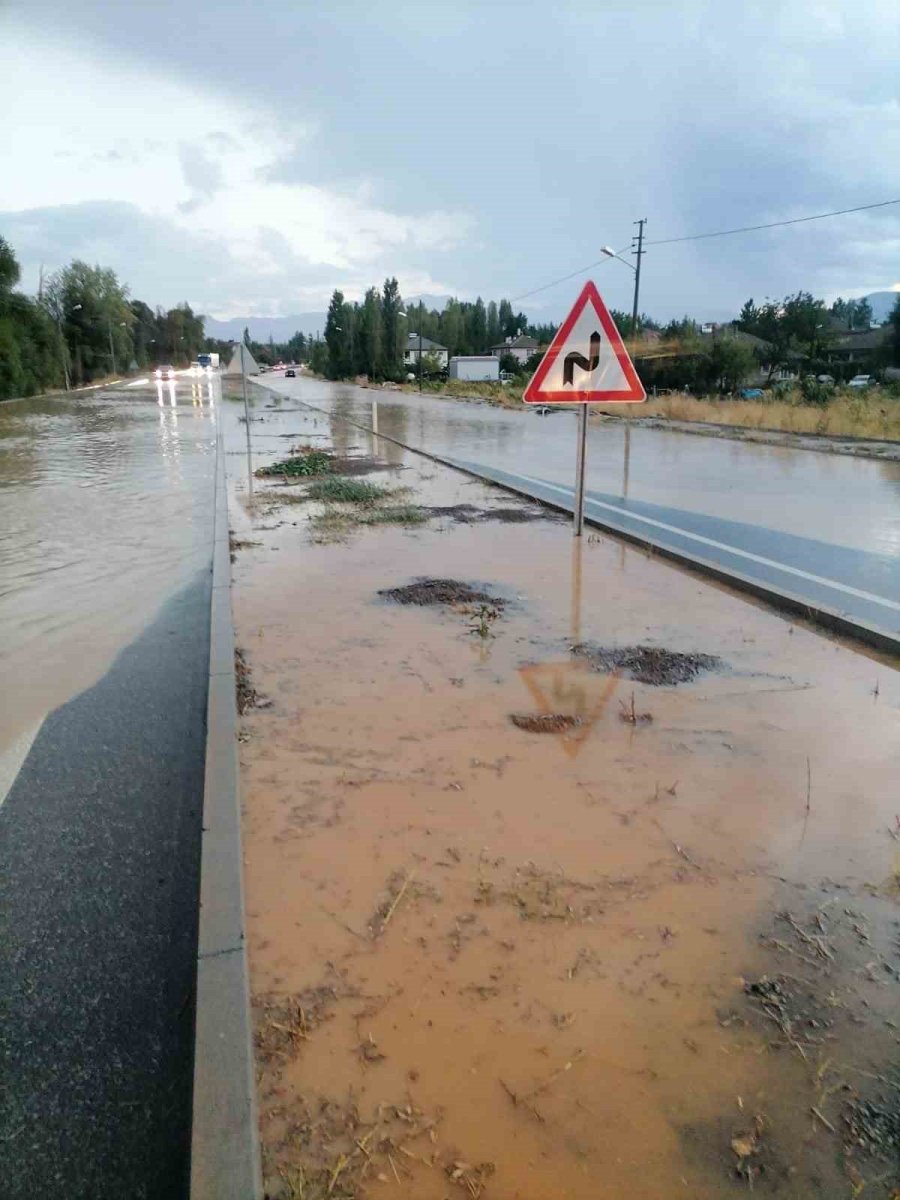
83, 327
873, 413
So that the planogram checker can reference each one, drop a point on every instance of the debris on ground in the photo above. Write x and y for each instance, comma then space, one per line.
746, 1145
544, 722
873, 1125
245, 693
469, 514
439, 591
628, 713
235, 544
647, 664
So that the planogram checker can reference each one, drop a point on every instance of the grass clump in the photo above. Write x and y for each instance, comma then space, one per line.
309, 462
334, 523
337, 489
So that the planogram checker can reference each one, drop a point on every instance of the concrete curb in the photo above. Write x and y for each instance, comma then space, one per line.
225, 1161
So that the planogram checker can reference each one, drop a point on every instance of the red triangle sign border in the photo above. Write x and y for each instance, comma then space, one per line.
634, 394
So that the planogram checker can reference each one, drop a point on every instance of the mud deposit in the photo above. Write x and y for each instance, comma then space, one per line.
439, 591
647, 664
544, 722
611, 959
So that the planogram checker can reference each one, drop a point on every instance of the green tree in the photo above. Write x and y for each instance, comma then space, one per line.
451, 327
9, 269
393, 329
493, 324
91, 308
30, 346
318, 357
296, 347
370, 334
507, 320
894, 339
338, 337
726, 364
476, 327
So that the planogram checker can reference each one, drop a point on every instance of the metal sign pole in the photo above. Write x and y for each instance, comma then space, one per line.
247, 424
579, 471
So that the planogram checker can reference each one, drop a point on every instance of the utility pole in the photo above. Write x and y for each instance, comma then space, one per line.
637, 248
112, 351
420, 347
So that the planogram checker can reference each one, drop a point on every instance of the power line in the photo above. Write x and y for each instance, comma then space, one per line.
573, 275
839, 212
697, 237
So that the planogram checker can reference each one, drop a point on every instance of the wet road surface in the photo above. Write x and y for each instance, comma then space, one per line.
108, 507
820, 531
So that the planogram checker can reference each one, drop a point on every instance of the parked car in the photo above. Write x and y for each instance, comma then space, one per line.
751, 393
290, 373
825, 379
165, 372
861, 381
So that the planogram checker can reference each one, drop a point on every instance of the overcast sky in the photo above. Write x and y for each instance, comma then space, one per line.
250, 157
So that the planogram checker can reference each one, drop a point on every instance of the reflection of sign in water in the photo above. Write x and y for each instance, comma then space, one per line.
574, 690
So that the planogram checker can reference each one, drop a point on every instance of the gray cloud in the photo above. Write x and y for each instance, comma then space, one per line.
557, 130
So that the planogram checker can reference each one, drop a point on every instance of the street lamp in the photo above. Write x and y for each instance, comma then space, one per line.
610, 253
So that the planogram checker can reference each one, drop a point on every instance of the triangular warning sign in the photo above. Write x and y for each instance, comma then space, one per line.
587, 362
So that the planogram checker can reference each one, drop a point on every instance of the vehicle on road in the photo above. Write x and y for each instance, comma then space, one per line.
751, 393
166, 371
290, 373
209, 362
861, 381
825, 379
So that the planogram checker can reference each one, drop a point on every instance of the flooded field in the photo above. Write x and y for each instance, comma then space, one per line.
105, 511
568, 874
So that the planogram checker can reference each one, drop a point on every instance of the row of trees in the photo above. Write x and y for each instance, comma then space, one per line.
369, 337
798, 332
83, 326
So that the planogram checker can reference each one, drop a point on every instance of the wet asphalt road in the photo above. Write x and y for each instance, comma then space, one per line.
100, 844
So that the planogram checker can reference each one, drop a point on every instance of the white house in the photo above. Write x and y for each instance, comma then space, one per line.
428, 347
521, 348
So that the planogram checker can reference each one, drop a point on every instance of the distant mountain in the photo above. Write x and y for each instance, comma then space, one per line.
280, 329
882, 304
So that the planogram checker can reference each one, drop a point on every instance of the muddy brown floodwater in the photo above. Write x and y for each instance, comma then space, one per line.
645, 945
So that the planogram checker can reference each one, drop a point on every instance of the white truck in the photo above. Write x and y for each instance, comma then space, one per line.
208, 360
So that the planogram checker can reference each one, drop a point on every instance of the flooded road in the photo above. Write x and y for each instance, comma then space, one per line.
535, 923
106, 532
105, 511
851, 502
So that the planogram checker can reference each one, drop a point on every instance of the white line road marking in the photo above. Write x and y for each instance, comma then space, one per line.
13, 756
698, 537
